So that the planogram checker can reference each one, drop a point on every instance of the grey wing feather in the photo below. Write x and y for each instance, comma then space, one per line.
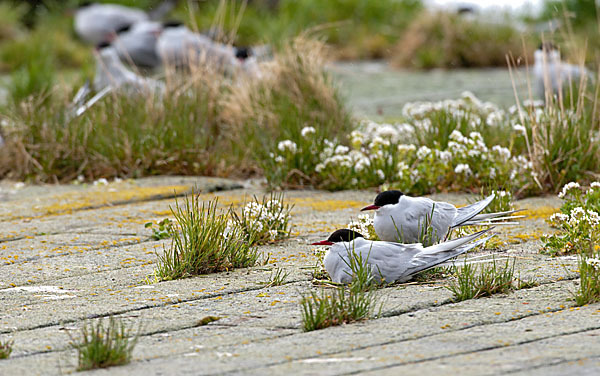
466, 213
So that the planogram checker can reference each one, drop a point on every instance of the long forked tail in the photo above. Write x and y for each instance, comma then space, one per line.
467, 213
439, 253
493, 217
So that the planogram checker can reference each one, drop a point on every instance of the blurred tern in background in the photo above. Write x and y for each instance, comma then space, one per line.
111, 72
553, 75
136, 44
180, 47
96, 23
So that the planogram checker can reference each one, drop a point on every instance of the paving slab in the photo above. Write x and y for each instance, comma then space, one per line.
72, 253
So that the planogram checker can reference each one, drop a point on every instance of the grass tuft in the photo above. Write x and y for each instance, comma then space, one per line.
278, 277
589, 280
473, 282
344, 304
5, 349
202, 242
102, 346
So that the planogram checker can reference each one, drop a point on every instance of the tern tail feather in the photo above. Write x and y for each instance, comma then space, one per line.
467, 213
439, 253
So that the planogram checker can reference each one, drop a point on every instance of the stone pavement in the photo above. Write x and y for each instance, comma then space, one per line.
75, 252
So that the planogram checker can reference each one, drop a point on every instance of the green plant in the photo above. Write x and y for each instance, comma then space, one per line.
474, 281
357, 28
562, 140
445, 40
589, 279
202, 243
102, 346
277, 278
5, 348
345, 304
337, 307
163, 230
264, 221
578, 224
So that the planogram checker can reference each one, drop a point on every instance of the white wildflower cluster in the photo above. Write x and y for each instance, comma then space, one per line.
364, 226
568, 187
558, 218
468, 109
579, 215
264, 221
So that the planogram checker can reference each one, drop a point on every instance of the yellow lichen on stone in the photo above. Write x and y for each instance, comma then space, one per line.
66, 203
543, 212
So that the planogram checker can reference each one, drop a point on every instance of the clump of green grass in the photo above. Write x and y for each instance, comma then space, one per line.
264, 221
202, 242
474, 281
444, 40
277, 278
104, 345
336, 307
205, 124
293, 110
5, 348
356, 28
343, 305
589, 280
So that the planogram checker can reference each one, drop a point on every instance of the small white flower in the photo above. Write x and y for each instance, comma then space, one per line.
463, 168
307, 131
101, 181
559, 217
287, 145
279, 159
341, 149
519, 128
593, 262
423, 152
380, 174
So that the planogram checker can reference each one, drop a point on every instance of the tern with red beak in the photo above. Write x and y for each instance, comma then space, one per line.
388, 261
400, 218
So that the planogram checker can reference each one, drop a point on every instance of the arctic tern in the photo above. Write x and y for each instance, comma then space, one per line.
136, 44
389, 261
111, 72
96, 23
400, 218
553, 75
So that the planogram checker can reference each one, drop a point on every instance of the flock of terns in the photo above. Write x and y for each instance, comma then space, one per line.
402, 223
130, 40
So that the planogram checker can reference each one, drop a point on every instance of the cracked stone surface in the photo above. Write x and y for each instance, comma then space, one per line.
73, 253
